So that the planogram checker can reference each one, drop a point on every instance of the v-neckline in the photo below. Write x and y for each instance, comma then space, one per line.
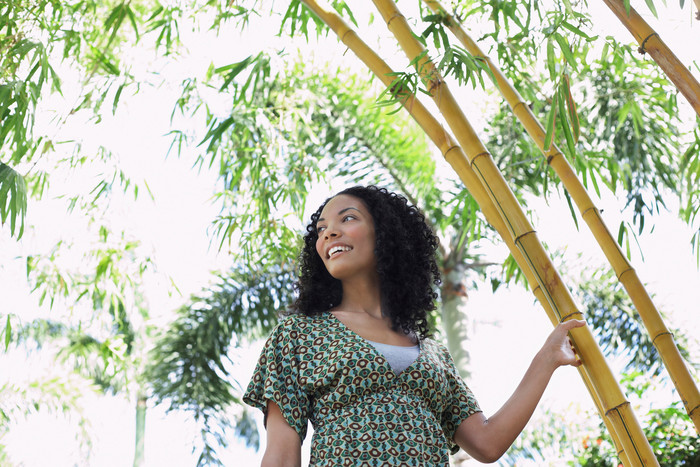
377, 353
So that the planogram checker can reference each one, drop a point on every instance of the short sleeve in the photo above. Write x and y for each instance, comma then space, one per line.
461, 403
276, 378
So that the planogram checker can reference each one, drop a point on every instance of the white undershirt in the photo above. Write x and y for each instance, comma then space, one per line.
398, 356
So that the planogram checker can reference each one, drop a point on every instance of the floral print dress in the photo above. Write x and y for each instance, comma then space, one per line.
363, 414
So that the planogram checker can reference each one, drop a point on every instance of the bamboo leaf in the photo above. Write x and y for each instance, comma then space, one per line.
13, 199
132, 19
561, 101
571, 207
233, 70
567, 5
551, 59
627, 6
565, 49
578, 31
571, 107
551, 124
621, 233
8, 332
652, 8
117, 95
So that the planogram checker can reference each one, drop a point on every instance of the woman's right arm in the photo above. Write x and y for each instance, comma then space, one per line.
283, 442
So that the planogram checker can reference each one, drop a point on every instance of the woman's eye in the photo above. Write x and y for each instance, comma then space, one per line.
348, 217
320, 229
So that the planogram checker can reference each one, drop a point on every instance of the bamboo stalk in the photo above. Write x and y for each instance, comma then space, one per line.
444, 141
556, 294
659, 333
650, 41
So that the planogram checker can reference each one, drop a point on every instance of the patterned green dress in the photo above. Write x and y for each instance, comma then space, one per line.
363, 414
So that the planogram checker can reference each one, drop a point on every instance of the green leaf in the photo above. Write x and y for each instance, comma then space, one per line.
652, 8
565, 49
8, 332
571, 108
578, 31
132, 19
571, 208
551, 59
561, 101
117, 95
551, 125
13, 199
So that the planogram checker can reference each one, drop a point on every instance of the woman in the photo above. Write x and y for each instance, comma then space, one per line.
355, 357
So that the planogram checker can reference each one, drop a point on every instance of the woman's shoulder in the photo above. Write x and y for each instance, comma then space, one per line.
435, 347
299, 324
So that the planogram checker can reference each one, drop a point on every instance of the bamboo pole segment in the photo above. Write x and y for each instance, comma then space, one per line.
627, 275
617, 408
444, 141
650, 41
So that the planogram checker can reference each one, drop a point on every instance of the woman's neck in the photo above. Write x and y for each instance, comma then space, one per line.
363, 295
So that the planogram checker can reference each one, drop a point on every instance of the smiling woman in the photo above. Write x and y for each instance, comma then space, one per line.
355, 357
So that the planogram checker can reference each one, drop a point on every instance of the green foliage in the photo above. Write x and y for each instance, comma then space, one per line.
623, 135
690, 191
297, 18
49, 394
288, 129
637, 136
669, 431
189, 367
618, 327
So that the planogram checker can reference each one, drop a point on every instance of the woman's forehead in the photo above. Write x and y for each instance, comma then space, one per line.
341, 202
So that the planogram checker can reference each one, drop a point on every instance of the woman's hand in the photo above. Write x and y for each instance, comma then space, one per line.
558, 349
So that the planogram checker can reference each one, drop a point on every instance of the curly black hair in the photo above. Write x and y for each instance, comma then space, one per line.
405, 250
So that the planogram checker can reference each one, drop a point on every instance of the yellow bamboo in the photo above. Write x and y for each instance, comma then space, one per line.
660, 335
444, 141
650, 41
617, 407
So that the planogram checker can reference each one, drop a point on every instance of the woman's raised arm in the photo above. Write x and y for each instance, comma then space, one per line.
487, 439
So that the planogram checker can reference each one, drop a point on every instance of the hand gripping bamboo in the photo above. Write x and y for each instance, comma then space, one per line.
444, 141
649, 41
617, 408
626, 274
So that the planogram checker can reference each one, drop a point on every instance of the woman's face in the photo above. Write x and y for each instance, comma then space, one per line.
346, 238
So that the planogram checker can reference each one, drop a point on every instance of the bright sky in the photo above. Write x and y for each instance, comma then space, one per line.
507, 328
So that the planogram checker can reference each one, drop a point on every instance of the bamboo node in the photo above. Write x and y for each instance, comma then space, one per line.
690, 412
641, 48
616, 408
592, 208
435, 83
551, 157
393, 17
619, 276
348, 31
485, 153
517, 239
456, 146
565, 317
515, 107
653, 341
